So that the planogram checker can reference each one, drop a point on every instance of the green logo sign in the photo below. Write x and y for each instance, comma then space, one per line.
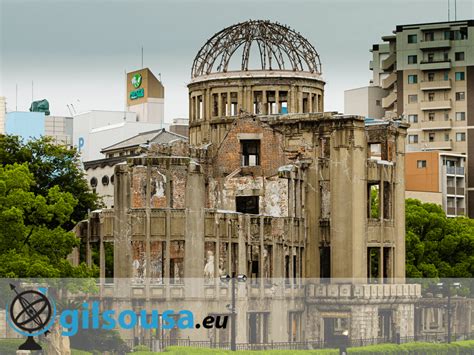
137, 80
136, 94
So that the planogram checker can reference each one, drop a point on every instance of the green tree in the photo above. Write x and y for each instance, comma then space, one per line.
437, 246
51, 165
33, 240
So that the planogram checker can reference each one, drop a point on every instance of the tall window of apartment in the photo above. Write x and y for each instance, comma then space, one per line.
430, 57
459, 76
459, 56
431, 96
460, 96
448, 35
412, 59
412, 79
431, 76
250, 152
460, 137
460, 116
446, 75
431, 137
413, 118
412, 39
445, 56
431, 116
446, 137
412, 99
429, 36
446, 115
421, 164
413, 138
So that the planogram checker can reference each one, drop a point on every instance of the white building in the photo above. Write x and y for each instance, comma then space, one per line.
95, 130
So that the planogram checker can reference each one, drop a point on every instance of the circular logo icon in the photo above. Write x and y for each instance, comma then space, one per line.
31, 313
137, 80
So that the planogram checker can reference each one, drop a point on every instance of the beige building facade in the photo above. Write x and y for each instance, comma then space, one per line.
428, 73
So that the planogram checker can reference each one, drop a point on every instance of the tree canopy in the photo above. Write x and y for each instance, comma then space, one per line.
43, 194
51, 165
437, 246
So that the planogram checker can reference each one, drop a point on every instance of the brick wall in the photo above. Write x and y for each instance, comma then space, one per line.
228, 157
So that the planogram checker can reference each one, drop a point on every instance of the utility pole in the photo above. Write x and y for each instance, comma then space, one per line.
449, 312
233, 345
233, 313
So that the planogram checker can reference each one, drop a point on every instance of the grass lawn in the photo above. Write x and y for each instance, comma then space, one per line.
457, 348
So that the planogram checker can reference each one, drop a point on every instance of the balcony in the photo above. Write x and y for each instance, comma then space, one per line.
455, 170
389, 80
436, 125
435, 64
388, 62
436, 85
389, 100
438, 44
437, 145
436, 105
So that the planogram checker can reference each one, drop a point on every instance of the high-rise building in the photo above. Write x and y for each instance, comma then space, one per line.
427, 72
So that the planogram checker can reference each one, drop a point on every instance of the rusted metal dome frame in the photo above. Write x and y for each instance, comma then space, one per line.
274, 41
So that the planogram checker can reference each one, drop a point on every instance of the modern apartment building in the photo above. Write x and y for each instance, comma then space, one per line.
427, 71
437, 177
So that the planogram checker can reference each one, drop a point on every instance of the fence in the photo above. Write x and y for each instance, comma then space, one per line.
161, 344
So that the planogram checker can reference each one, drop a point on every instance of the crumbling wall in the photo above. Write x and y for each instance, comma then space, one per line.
276, 197
228, 157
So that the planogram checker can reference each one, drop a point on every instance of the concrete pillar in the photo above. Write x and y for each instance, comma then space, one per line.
348, 201
122, 231
312, 215
219, 104
194, 237
277, 101
398, 199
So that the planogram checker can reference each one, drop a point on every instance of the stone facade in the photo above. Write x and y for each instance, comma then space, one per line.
308, 204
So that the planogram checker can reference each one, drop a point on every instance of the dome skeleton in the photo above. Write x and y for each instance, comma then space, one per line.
274, 42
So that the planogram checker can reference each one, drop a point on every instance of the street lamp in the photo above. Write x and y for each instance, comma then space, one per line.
226, 279
447, 288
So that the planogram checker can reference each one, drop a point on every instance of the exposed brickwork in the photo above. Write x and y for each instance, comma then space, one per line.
229, 153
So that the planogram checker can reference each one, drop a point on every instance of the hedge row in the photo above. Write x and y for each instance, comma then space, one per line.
457, 348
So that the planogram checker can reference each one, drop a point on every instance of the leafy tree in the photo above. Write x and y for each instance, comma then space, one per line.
52, 166
33, 240
437, 246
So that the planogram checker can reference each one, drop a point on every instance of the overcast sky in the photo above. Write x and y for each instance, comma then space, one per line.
77, 51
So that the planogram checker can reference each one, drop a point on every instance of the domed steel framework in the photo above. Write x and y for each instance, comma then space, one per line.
277, 45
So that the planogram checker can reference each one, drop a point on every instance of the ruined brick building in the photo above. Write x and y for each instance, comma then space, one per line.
308, 204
